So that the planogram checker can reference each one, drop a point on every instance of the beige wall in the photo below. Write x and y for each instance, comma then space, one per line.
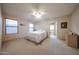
0, 27
75, 22
21, 30
45, 24
60, 32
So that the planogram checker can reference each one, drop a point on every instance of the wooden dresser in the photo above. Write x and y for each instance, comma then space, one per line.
73, 40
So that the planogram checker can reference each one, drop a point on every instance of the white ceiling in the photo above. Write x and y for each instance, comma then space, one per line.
25, 10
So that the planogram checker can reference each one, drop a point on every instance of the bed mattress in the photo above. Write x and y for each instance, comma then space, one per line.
36, 36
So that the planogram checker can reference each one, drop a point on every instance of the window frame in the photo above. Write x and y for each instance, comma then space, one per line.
31, 27
11, 26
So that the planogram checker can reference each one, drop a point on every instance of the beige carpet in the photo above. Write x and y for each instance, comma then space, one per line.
50, 46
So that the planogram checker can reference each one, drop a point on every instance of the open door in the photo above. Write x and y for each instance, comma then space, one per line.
53, 29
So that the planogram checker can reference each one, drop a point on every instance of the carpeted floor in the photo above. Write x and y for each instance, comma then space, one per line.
51, 46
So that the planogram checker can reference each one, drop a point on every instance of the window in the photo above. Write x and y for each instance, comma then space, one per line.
31, 27
11, 26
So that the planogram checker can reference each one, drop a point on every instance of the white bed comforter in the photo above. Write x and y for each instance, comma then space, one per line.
36, 36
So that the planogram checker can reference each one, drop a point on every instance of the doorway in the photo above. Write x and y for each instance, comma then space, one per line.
53, 29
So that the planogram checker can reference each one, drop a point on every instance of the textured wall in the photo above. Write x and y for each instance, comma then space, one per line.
75, 22
63, 32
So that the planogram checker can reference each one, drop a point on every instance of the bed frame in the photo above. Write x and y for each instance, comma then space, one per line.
36, 42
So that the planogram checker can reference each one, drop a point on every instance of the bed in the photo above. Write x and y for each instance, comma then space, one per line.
36, 36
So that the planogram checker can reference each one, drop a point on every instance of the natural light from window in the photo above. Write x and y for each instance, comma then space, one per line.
11, 26
31, 27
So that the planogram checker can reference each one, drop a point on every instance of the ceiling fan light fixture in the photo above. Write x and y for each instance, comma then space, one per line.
38, 14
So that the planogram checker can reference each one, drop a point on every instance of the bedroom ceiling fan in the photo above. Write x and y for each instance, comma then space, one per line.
37, 13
